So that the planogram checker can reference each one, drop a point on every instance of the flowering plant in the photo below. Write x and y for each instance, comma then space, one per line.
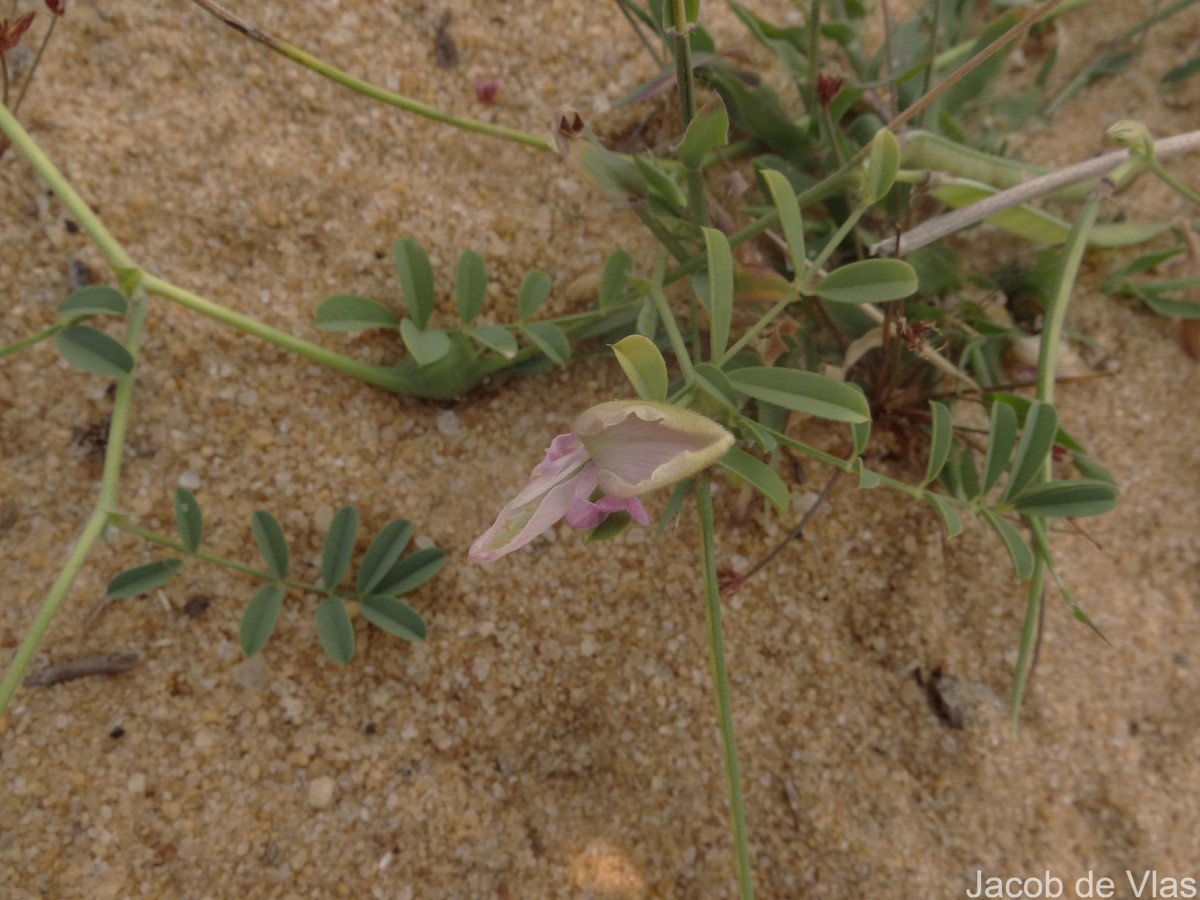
614, 452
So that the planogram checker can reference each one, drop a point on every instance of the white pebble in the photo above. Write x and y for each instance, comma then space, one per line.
251, 672
190, 480
320, 792
137, 784
447, 423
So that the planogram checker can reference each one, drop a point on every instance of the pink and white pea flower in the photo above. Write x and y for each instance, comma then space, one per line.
622, 449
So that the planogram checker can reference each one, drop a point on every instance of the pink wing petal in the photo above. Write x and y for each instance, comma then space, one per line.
551, 490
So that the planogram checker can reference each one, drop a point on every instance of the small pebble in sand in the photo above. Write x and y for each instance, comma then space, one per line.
190, 480
447, 423
137, 784
320, 792
250, 673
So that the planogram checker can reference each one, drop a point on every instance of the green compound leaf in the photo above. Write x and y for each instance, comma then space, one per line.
644, 366
614, 278
382, 554
790, 218
869, 281
707, 131
339, 546
758, 474
1041, 424
426, 347
271, 543
1018, 549
93, 351
188, 519
349, 312
416, 279
259, 618
395, 617
142, 579
967, 475
1075, 498
470, 285
550, 339
496, 338
941, 439
1002, 436
882, 165
720, 290
666, 198
951, 520
535, 288
860, 433
95, 300
411, 572
716, 384
805, 392
866, 478
335, 630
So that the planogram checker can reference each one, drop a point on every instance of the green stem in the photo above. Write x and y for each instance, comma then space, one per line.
1172, 182
106, 503
716, 649
673, 334
80, 211
156, 538
813, 268
35, 338
685, 81
753, 331
381, 376
336, 75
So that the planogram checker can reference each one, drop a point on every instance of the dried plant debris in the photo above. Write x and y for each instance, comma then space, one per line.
445, 53
82, 667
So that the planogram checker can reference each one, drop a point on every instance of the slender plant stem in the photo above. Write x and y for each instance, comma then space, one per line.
813, 268
80, 211
1172, 182
28, 341
673, 333
33, 66
106, 504
716, 650
635, 26
381, 376
753, 331
685, 83
295, 54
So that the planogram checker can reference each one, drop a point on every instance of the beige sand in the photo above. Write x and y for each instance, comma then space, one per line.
556, 736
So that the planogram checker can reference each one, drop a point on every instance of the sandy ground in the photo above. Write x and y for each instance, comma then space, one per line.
555, 736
